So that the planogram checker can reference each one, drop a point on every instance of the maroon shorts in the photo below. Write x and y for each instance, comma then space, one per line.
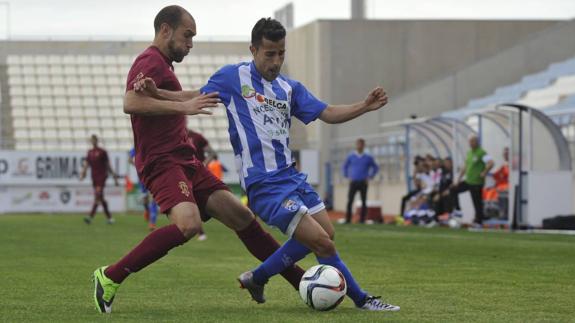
98, 185
176, 184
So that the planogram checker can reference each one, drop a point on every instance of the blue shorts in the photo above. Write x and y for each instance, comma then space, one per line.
281, 201
143, 188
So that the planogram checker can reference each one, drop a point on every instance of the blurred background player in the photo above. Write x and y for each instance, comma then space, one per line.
204, 153
217, 168
99, 163
150, 206
359, 167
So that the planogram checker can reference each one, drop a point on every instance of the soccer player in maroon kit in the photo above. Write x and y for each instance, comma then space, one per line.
98, 161
165, 160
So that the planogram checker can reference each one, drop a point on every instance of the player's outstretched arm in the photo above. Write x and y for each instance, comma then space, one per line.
376, 99
137, 103
147, 86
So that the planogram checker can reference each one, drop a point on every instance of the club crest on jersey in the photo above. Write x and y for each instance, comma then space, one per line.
184, 188
248, 92
290, 205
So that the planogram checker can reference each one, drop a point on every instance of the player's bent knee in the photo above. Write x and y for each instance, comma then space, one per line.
324, 247
187, 220
189, 230
331, 234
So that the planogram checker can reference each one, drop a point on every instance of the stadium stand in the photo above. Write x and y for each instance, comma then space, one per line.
57, 101
539, 90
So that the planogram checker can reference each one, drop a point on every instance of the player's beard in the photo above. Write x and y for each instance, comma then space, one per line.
176, 54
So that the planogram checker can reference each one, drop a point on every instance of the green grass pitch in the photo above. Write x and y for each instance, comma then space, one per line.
435, 275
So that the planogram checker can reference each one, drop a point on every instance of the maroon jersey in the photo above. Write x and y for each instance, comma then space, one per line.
200, 142
164, 138
98, 160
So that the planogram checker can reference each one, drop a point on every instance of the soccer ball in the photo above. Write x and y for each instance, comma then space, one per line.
322, 287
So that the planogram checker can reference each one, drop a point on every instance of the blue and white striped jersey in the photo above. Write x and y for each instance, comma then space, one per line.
259, 114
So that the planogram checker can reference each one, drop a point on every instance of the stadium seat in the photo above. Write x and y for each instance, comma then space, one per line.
85, 80
47, 111
64, 134
101, 99
13, 60
46, 102
66, 145
61, 104
54, 59
18, 101
15, 80
124, 134
42, 70
56, 70
110, 60
73, 91
14, 70
51, 145
32, 101
19, 122
16, 90
36, 145
59, 90
18, 111
35, 133
28, 70
92, 123
70, 70
80, 135
41, 60
50, 134
74, 101
58, 80
63, 122
23, 145
106, 121
89, 103
21, 134
79, 123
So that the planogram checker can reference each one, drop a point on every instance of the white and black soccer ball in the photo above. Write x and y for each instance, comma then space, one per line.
322, 287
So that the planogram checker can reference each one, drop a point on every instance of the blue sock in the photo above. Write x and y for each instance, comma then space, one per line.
153, 212
353, 289
287, 255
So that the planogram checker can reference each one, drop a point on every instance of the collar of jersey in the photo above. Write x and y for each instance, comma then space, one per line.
257, 74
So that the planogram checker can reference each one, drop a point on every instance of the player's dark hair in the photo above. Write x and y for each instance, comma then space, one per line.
267, 28
171, 15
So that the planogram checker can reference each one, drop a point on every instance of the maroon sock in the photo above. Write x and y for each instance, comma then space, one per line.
106, 211
262, 245
94, 208
153, 247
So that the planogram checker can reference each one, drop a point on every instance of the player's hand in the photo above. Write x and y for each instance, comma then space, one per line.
376, 99
201, 104
146, 86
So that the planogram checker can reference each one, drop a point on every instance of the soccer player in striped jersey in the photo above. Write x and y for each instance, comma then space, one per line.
260, 103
